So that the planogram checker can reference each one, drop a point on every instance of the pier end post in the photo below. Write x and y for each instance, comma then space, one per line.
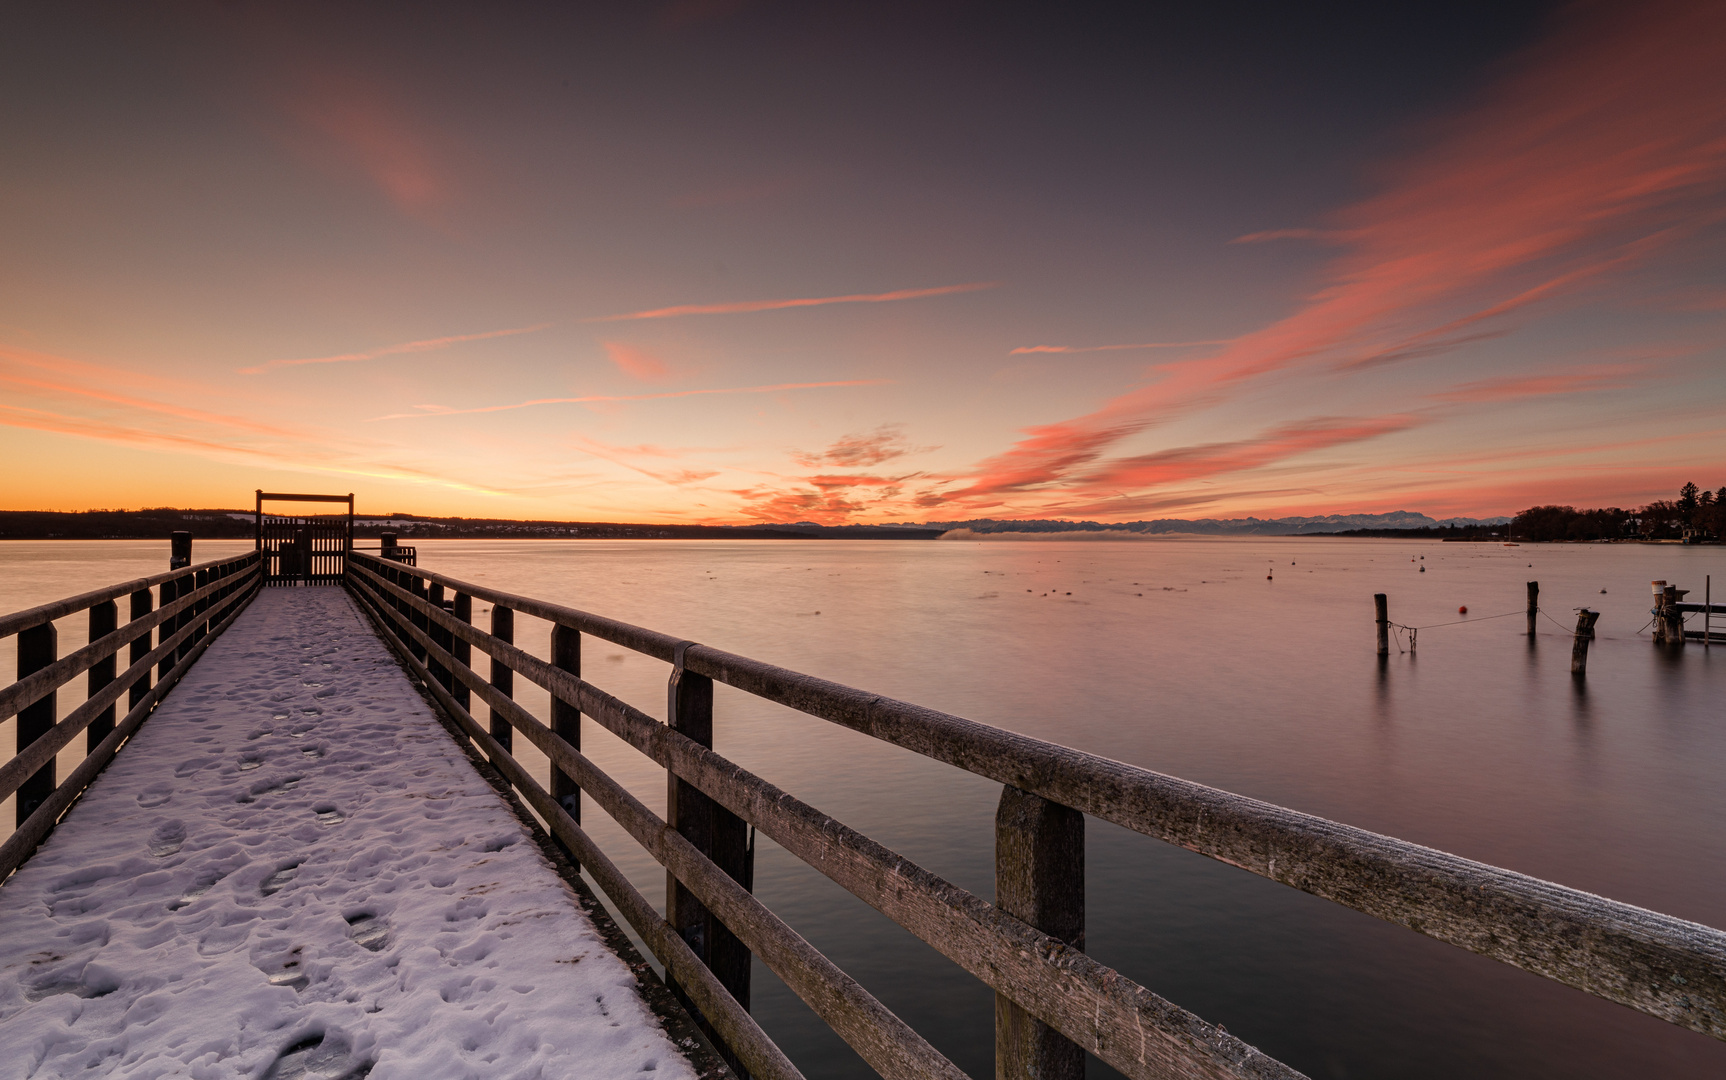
1040, 879
1533, 605
1381, 604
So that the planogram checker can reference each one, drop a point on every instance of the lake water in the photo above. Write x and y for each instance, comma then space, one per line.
1179, 656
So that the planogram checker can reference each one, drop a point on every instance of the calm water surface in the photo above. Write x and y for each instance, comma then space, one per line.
1180, 656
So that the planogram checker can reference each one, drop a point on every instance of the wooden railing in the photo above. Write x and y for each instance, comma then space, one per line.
188, 609
1052, 1001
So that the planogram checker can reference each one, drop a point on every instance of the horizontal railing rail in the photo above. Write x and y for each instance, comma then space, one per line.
1655, 963
196, 603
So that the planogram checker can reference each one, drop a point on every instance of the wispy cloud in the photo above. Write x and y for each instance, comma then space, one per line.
1517, 387
426, 345
354, 123
442, 410
1114, 348
745, 306
635, 362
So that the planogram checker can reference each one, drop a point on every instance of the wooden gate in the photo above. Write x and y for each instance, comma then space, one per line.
306, 550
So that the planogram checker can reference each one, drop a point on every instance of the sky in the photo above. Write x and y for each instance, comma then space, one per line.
727, 262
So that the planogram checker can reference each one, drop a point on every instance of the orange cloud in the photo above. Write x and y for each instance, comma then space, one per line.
884, 444
636, 363
1603, 149
426, 345
1112, 348
744, 306
440, 410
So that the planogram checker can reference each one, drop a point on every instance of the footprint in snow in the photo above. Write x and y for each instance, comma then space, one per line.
167, 838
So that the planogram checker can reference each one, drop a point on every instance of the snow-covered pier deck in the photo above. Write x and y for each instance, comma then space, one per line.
293, 870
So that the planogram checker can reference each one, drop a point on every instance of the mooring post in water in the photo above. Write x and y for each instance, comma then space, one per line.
713, 830
1585, 618
1671, 617
1039, 879
1533, 605
179, 550
1382, 604
1707, 609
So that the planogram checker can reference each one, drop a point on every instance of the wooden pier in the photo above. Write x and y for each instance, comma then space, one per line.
1054, 1003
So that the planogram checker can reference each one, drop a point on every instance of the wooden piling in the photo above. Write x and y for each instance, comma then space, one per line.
104, 620
1533, 605
1584, 634
502, 677
1382, 604
1039, 879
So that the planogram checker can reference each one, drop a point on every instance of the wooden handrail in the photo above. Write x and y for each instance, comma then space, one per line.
1123, 1023
33, 829
36, 754
1655, 963
31, 687
889, 1045
59, 609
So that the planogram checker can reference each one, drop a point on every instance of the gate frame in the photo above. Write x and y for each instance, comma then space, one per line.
277, 496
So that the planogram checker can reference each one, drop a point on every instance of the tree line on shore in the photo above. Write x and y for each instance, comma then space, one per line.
1696, 514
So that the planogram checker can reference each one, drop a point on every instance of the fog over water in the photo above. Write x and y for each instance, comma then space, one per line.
1181, 656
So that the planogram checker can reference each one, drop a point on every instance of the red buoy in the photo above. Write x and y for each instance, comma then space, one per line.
1463, 610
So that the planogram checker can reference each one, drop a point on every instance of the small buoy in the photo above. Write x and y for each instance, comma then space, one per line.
1602, 592
1423, 569
1267, 577
1463, 610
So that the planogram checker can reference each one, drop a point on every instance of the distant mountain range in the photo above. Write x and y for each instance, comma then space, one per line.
1247, 526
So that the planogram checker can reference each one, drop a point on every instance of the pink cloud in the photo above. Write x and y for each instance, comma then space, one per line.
745, 306
1515, 387
1597, 153
883, 444
637, 363
356, 124
1112, 348
426, 345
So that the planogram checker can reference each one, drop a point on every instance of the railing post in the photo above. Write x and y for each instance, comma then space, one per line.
460, 650
104, 620
502, 676
199, 608
565, 718
416, 585
165, 629
36, 650
434, 596
715, 832
1039, 879
141, 606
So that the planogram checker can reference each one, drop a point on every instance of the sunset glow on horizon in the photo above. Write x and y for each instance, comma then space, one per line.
730, 263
